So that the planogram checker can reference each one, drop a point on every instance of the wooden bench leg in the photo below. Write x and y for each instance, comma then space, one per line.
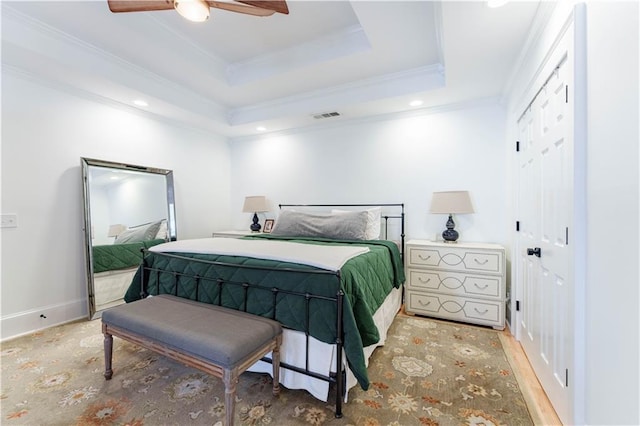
230, 378
275, 362
108, 352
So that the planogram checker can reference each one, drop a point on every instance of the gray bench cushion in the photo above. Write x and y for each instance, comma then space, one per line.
223, 336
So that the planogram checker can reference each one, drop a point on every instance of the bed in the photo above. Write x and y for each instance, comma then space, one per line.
115, 265
335, 290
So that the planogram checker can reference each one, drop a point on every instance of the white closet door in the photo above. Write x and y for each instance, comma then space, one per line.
545, 174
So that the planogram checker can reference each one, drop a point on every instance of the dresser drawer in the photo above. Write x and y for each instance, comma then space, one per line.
485, 312
484, 286
423, 257
457, 259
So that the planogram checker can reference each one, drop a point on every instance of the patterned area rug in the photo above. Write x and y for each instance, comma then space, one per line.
429, 373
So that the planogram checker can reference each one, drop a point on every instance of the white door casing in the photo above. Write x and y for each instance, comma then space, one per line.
545, 287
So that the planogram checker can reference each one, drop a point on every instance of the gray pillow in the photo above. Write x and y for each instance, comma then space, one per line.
347, 226
139, 233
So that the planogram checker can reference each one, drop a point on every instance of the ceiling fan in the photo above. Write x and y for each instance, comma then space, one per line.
198, 10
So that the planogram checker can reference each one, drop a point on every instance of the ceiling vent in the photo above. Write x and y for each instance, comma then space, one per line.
326, 115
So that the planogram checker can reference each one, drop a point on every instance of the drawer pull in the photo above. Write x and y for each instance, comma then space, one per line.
481, 312
481, 287
424, 304
475, 259
424, 258
423, 280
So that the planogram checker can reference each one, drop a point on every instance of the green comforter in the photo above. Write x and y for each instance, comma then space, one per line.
119, 256
366, 280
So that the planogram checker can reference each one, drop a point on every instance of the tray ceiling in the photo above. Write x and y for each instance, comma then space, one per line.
236, 72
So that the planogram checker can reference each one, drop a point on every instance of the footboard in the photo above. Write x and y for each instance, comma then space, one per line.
265, 298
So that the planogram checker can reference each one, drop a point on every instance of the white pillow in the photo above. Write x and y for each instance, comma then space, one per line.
349, 226
162, 232
139, 233
373, 221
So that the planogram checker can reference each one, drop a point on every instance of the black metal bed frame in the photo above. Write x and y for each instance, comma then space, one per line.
339, 377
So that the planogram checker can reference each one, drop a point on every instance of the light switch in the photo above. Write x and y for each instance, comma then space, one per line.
9, 221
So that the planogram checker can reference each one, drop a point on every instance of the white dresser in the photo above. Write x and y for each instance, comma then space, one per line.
461, 281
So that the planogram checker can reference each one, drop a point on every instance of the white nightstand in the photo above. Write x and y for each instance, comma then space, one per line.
232, 234
462, 281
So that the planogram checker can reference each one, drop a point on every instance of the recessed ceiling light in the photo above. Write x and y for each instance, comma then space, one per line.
496, 3
140, 103
416, 103
261, 128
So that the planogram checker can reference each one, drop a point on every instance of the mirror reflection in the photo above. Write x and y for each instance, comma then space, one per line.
127, 208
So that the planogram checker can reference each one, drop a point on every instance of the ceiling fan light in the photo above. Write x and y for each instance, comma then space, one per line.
193, 10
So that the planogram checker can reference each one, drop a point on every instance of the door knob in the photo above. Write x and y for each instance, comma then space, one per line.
534, 251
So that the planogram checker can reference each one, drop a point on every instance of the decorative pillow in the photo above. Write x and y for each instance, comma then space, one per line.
162, 230
347, 226
373, 221
139, 233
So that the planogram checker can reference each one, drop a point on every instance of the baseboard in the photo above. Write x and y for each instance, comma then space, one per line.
27, 322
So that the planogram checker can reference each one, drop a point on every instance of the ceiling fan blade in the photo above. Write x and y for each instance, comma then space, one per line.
279, 6
241, 8
117, 6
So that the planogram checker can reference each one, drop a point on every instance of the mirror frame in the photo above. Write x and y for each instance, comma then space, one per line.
86, 164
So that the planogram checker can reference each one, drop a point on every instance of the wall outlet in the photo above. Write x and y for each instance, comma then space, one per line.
9, 221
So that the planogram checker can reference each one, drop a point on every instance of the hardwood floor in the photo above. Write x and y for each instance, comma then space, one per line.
540, 408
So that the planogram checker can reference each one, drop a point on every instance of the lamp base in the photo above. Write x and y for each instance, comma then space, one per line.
450, 235
255, 226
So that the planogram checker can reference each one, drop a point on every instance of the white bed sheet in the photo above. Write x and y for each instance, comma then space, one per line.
322, 355
110, 287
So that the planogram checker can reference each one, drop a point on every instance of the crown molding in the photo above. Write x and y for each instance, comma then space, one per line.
341, 43
420, 112
544, 12
77, 92
396, 84
438, 28
26, 29
216, 65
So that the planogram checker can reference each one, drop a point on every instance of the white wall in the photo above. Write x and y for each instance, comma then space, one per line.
613, 281
44, 134
608, 339
388, 160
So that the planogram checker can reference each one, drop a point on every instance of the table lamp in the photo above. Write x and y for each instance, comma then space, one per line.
115, 230
450, 202
255, 204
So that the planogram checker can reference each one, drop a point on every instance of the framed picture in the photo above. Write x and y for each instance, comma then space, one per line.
268, 226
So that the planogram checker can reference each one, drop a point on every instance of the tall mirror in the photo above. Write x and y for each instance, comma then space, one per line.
126, 208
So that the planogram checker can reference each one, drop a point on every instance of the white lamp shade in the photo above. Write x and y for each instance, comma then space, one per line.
255, 203
115, 230
448, 202
193, 10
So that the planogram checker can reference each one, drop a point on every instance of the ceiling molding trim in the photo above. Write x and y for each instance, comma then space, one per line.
439, 31
93, 97
543, 13
332, 46
217, 66
439, 109
390, 85
34, 35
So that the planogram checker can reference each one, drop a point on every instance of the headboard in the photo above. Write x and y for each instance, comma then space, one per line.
393, 211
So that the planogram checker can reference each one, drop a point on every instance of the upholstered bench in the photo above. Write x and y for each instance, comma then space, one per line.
219, 341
